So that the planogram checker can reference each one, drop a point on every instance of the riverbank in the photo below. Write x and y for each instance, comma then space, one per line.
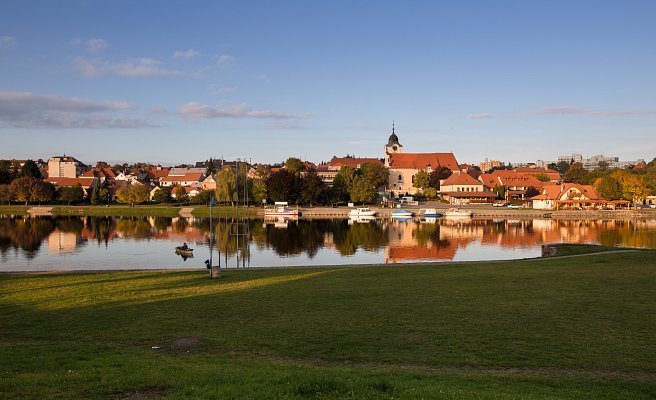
551, 328
479, 211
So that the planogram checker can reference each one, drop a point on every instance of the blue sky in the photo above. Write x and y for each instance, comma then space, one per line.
174, 82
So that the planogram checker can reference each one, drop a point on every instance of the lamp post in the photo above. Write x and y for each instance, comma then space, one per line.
215, 272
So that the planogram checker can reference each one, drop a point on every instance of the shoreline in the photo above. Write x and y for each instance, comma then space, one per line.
479, 211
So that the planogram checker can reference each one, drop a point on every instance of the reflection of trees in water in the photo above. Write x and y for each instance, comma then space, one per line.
101, 228
134, 227
162, 223
70, 224
299, 236
180, 225
429, 233
629, 234
26, 234
348, 238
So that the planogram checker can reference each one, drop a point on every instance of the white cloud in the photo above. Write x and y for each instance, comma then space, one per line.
28, 110
221, 90
95, 45
196, 111
191, 53
142, 68
224, 59
7, 41
584, 111
480, 115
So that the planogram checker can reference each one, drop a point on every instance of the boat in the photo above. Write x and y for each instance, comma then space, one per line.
457, 213
281, 210
430, 213
401, 214
362, 212
184, 252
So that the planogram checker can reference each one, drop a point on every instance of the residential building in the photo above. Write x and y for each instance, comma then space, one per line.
327, 172
572, 196
65, 167
464, 189
514, 184
487, 165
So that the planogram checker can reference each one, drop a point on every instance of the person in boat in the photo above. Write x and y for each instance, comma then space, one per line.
184, 246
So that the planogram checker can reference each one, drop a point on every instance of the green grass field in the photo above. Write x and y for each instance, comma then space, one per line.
565, 328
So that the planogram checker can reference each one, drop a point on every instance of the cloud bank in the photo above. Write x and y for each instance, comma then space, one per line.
28, 110
196, 111
141, 68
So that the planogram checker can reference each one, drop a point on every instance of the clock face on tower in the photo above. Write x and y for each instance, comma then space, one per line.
394, 147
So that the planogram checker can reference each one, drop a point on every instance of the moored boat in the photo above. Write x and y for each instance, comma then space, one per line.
281, 210
430, 213
457, 213
362, 212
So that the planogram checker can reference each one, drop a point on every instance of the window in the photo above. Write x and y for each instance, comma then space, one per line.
400, 178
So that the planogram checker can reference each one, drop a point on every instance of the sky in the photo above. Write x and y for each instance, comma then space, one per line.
183, 81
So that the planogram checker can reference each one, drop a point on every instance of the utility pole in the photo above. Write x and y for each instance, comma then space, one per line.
215, 271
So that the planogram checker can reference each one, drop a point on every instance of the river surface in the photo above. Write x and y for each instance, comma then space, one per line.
113, 243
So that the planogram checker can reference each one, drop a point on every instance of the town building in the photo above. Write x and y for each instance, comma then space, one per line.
464, 189
328, 172
404, 166
65, 167
514, 185
572, 196
487, 165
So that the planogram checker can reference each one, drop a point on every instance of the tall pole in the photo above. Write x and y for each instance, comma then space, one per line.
215, 271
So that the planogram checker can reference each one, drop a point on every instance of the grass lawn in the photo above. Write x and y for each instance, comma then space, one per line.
555, 328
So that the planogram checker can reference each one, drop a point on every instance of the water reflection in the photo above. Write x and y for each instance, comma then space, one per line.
257, 242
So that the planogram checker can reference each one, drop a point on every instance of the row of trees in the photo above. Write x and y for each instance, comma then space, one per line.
9, 171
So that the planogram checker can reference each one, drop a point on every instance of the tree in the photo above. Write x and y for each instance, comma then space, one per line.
633, 188
71, 194
30, 169
500, 190
281, 186
608, 188
5, 194
6, 175
421, 180
342, 185
210, 168
575, 173
430, 193
438, 174
531, 192
21, 187
131, 194
203, 197
313, 189
226, 182
180, 194
562, 167
42, 192
362, 191
376, 174
162, 196
295, 166
100, 193
542, 177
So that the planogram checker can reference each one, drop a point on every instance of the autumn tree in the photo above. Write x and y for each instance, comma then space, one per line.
71, 194
131, 194
5, 194
180, 194
421, 180
161, 196
633, 188
362, 191
608, 188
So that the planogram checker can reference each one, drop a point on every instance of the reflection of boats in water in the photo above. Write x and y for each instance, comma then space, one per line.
279, 221
430, 213
457, 213
401, 214
362, 212
361, 219
429, 220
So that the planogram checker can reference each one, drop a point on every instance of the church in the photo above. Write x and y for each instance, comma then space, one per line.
404, 166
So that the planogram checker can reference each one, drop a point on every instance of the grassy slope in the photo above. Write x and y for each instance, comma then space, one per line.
560, 328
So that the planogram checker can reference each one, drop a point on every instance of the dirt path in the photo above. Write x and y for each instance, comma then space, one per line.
40, 211
186, 212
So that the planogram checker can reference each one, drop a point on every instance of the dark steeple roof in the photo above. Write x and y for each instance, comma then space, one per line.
393, 139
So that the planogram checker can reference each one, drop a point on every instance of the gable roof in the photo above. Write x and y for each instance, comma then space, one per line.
560, 192
460, 179
423, 160
509, 178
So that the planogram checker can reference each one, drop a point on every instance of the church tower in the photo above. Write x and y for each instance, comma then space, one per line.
392, 146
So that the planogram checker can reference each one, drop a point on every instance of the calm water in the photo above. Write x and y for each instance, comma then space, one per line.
92, 243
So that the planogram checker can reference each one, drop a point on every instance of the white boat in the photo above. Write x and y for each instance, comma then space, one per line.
361, 219
282, 212
457, 213
430, 213
401, 214
362, 212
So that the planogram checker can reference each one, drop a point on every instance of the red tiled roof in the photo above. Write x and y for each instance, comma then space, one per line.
352, 161
460, 179
61, 181
422, 160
